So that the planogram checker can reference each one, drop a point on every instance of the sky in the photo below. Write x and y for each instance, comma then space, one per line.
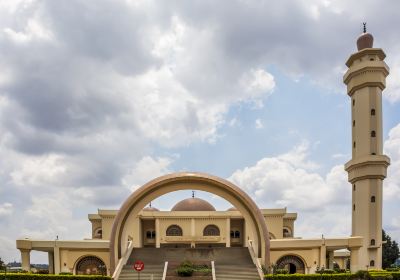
98, 97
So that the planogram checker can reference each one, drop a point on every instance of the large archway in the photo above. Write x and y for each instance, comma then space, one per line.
293, 264
258, 231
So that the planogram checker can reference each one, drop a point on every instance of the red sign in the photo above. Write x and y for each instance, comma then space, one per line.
138, 266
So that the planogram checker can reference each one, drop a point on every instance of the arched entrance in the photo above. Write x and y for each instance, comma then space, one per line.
257, 228
90, 265
293, 264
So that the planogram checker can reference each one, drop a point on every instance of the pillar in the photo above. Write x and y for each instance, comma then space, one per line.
228, 232
158, 233
26, 259
322, 256
57, 260
51, 262
354, 260
193, 233
330, 259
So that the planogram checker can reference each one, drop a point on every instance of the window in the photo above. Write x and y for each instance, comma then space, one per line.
373, 198
372, 242
174, 230
354, 144
235, 234
372, 263
354, 123
354, 187
287, 232
373, 134
98, 233
354, 102
372, 112
211, 230
354, 207
150, 234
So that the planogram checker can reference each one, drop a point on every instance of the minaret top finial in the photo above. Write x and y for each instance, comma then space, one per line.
365, 27
192, 194
150, 204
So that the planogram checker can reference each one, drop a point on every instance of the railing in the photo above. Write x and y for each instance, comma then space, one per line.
213, 270
123, 261
256, 261
165, 271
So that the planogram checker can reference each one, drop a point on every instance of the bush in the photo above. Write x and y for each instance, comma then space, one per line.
185, 271
281, 271
31, 276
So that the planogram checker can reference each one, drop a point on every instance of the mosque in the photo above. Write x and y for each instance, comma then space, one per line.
243, 235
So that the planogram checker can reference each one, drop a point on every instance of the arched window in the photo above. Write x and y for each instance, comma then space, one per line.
211, 230
373, 198
354, 144
354, 123
354, 207
90, 265
372, 112
98, 233
373, 134
372, 263
174, 230
232, 234
287, 232
354, 187
372, 242
354, 102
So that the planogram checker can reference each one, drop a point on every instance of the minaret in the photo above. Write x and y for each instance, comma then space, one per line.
365, 80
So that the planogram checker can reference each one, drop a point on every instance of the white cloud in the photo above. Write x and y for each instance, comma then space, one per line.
289, 180
6, 209
259, 124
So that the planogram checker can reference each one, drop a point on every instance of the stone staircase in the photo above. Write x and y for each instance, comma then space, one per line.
230, 263
235, 263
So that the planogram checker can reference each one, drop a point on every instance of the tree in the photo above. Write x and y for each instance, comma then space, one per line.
1, 264
390, 250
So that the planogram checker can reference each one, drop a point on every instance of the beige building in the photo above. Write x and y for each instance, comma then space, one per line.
266, 236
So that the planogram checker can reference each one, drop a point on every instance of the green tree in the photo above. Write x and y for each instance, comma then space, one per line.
1, 264
390, 250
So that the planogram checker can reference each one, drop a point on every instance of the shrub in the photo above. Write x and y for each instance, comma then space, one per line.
185, 271
281, 271
31, 276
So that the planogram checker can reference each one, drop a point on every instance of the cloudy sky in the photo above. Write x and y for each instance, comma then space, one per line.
98, 97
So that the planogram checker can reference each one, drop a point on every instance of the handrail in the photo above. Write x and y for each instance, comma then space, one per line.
213, 270
256, 261
165, 271
123, 261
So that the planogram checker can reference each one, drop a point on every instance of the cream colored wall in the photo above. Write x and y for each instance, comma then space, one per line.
275, 225
184, 223
289, 223
107, 223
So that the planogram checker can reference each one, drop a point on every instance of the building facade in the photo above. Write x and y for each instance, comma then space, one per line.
269, 234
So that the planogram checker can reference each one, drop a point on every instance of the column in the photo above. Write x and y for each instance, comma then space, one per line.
26, 259
51, 262
193, 233
354, 259
322, 256
228, 232
330, 259
158, 233
57, 260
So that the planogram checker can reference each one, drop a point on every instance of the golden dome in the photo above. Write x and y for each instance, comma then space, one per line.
193, 204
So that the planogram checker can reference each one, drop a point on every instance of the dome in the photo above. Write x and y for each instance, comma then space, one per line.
149, 208
232, 209
193, 204
366, 40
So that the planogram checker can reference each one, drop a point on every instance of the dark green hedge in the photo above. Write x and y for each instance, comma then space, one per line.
373, 275
31, 276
